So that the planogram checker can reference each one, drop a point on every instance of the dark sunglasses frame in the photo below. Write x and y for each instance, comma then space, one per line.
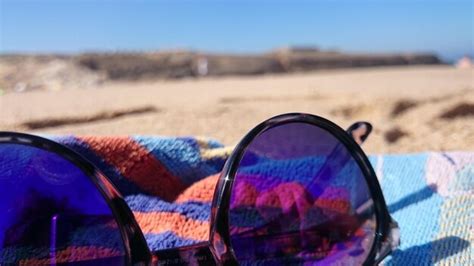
218, 250
135, 245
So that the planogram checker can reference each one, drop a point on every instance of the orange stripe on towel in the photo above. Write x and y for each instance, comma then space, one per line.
201, 191
137, 164
76, 254
180, 225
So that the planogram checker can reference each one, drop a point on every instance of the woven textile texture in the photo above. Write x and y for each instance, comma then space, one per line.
169, 183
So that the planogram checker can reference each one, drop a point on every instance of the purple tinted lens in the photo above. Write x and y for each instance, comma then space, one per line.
51, 212
299, 197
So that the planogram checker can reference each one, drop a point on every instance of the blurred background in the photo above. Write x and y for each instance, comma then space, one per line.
218, 68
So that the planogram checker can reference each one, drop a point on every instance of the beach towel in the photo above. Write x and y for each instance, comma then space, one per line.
169, 184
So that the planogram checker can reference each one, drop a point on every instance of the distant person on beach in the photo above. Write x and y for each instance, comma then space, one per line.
202, 66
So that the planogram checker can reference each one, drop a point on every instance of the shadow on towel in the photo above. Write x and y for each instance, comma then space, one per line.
438, 250
413, 198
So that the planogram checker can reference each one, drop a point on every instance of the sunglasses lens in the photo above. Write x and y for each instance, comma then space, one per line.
51, 212
300, 197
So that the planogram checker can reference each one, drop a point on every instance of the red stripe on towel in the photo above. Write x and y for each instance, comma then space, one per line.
137, 164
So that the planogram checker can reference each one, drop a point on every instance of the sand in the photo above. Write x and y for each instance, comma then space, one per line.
413, 109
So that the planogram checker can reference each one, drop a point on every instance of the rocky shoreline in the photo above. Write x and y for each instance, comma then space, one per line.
57, 72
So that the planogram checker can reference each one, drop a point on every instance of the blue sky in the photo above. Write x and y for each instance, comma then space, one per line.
69, 26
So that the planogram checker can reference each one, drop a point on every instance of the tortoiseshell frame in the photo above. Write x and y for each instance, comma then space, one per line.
218, 250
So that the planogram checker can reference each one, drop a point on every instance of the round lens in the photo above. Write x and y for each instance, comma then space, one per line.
51, 212
299, 197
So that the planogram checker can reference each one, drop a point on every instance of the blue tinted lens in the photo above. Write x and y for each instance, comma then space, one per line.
51, 212
299, 197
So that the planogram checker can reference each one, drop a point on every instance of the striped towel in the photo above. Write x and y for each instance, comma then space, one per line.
169, 183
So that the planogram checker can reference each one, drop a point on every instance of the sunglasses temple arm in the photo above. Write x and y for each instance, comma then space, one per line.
359, 131
390, 244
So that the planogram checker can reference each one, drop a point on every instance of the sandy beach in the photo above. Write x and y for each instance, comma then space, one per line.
413, 109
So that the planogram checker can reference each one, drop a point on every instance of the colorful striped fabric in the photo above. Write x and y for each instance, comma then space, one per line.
169, 184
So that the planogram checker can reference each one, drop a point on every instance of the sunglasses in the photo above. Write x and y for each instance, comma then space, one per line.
296, 190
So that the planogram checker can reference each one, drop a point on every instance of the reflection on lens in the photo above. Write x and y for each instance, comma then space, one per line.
52, 213
300, 198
